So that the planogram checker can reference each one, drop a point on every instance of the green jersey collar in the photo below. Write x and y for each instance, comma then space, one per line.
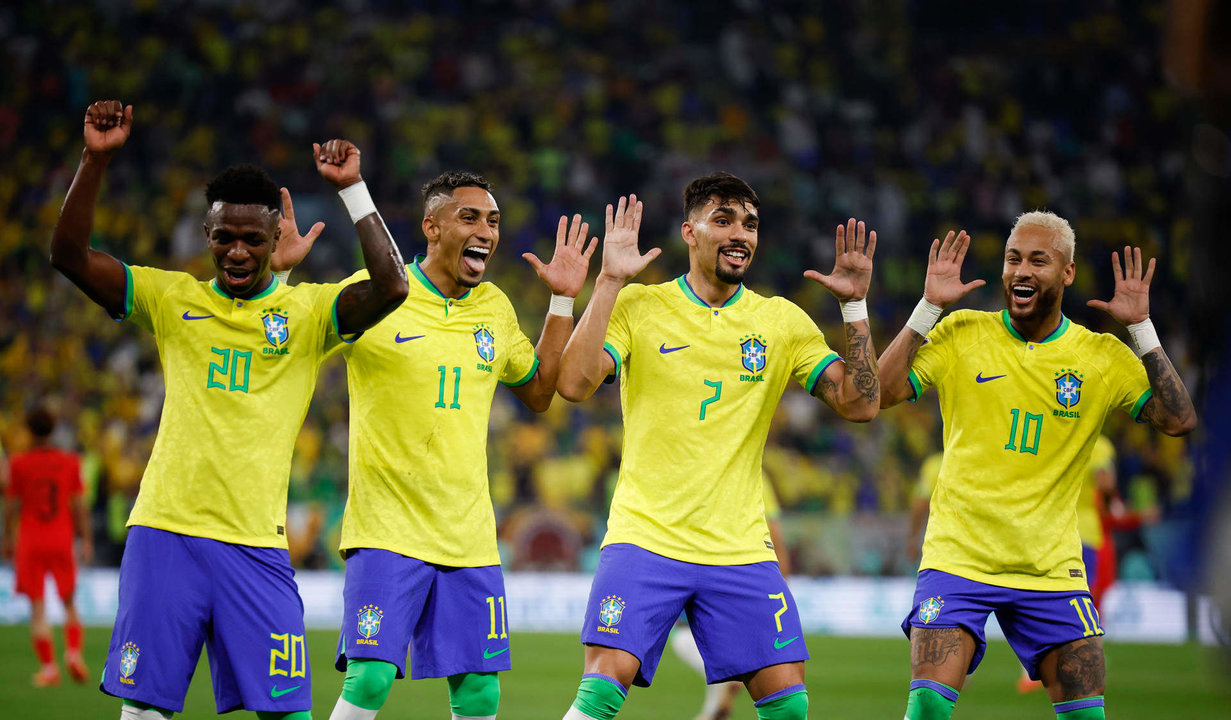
273, 285
685, 288
1053, 335
414, 270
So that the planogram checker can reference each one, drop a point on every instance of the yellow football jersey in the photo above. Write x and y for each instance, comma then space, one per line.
421, 386
698, 388
1089, 522
239, 375
1020, 421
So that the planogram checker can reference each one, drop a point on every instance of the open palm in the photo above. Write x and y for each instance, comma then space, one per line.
292, 247
1130, 304
943, 285
622, 259
566, 272
852, 269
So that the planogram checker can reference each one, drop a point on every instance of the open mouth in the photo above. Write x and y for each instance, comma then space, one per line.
736, 256
237, 276
1023, 294
474, 258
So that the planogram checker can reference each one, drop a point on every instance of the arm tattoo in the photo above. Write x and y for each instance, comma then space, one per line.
1171, 401
934, 646
1080, 669
861, 364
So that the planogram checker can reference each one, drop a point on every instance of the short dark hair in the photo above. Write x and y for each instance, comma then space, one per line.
446, 183
721, 185
40, 421
244, 185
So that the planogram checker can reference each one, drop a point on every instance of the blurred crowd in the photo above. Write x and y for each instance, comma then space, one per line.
914, 120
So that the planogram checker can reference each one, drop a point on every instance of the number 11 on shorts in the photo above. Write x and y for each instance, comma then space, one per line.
1091, 626
504, 621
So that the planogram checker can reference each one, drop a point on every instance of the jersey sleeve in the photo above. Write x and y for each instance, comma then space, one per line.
520, 361
935, 357
810, 354
1126, 377
144, 292
618, 343
324, 301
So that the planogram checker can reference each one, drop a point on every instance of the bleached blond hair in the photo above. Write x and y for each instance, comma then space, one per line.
1049, 220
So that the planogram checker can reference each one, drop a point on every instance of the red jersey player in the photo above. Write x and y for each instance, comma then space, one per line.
45, 492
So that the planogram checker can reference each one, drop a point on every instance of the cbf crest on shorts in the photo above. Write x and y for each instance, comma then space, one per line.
1068, 387
484, 342
277, 331
610, 610
369, 621
128, 660
929, 609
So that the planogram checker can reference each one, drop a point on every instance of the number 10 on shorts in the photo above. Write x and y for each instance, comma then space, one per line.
504, 621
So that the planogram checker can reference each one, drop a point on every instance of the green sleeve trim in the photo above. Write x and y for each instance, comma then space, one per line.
533, 369
1140, 404
128, 293
815, 375
615, 357
915, 385
334, 318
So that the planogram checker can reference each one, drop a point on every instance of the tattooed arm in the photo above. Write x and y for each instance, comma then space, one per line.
942, 287
1171, 409
852, 388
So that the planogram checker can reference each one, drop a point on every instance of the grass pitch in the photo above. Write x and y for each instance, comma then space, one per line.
847, 678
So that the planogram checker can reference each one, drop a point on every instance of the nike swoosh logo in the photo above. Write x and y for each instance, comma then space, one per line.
488, 654
980, 379
188, 316
398, 337
664, 349
779, 645
276, 693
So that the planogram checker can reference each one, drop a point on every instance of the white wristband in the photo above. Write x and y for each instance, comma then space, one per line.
854, 311
283, 276
1145, 337
560, 305
358, 201
924, 318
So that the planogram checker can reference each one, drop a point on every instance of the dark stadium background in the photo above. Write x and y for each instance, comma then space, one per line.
919, 117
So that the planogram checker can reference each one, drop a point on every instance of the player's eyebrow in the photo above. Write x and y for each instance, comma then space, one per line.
477, 211
728, 210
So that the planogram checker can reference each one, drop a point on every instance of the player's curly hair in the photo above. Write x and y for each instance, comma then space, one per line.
244, 185
722, 185
41, 421
446, 183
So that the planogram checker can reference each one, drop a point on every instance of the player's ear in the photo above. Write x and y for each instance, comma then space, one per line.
1070, 273
686, 232
431, 230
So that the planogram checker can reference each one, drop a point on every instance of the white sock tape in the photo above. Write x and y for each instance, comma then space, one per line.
358, 201
924, 318
854, 311
560, 305
1145, 337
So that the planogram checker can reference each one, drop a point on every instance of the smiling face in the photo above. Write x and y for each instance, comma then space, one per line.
1036, 271
241, 239
462, 229
722, 234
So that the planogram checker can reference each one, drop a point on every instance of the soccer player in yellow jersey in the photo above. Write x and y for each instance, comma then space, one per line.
1023, 396
419, 532
206, 559
702, 362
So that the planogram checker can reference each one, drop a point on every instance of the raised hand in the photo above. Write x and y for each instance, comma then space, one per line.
621, 258
1130, 304
338, 162
566, 272
852, 269
292, 247
107, 126
943, 285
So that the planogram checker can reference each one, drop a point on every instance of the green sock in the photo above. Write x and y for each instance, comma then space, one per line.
930, 700
297, 715
368, 682
474, 694
1089, 708
788, 704
599, 696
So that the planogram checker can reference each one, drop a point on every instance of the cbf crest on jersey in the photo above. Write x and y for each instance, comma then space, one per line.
1068, 387
369, 620
128, 659
610, 610
277, 331
929, 609
484, 342
752, 353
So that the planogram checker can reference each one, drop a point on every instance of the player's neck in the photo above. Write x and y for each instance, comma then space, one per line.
711, 290
444, 282
1037, 329
256, 289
